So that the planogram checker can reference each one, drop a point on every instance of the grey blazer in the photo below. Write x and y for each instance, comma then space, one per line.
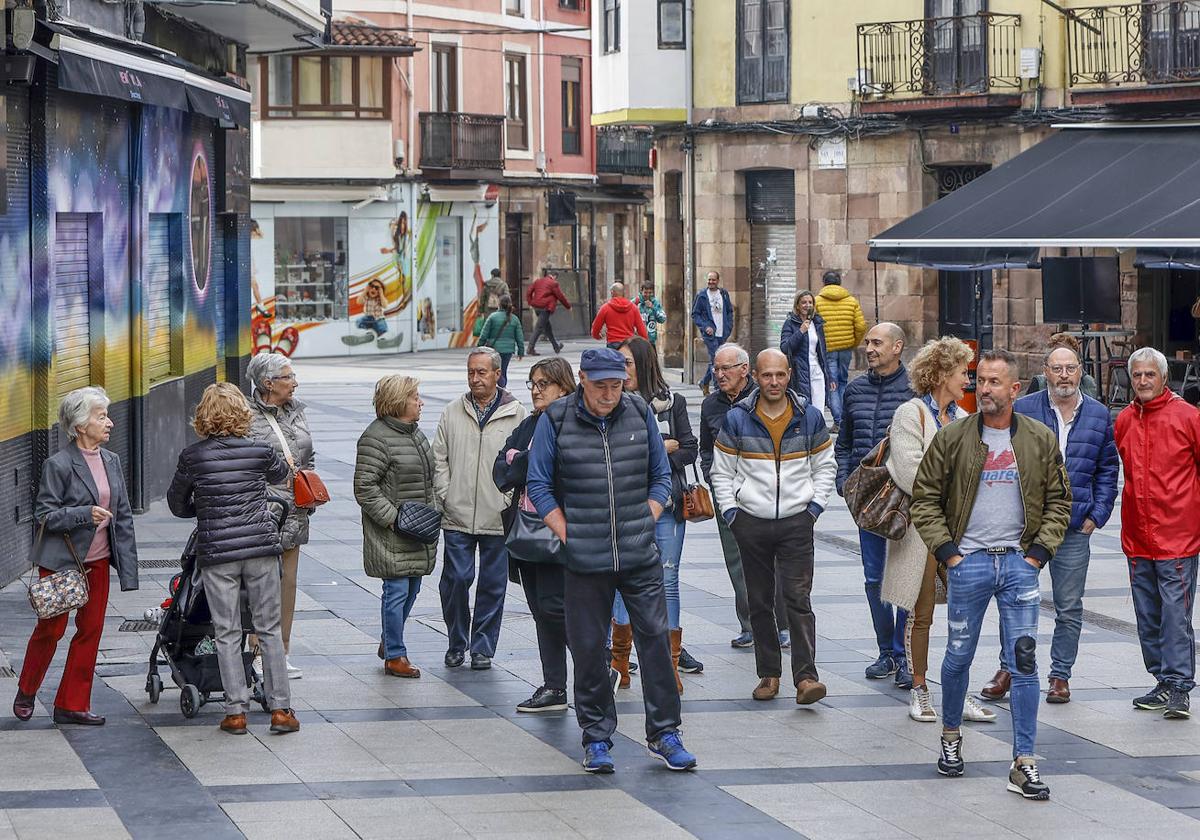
64, 504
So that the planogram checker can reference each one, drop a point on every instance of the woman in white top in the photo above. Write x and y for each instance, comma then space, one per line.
803, 341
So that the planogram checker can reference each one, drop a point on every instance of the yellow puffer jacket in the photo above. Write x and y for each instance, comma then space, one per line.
845, 325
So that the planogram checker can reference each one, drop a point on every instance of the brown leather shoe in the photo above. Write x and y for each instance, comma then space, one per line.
23, 705
284, 720
767, 689
997, 686
1059, 691
809, 691
401, 667
622, 646
234, 724
77, 718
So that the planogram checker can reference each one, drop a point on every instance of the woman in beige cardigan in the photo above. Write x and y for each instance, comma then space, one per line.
910, 576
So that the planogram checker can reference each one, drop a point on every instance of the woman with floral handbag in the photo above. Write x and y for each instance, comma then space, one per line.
86, 528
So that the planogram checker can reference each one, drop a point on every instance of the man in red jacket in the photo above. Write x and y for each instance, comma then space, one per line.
544, 295
620, 317
1158, 436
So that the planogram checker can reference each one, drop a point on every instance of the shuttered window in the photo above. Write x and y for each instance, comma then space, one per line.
72, 304
764, 51
771, 196
771, 211
163, 298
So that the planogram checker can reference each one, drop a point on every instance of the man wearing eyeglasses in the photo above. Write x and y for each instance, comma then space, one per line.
1085, 440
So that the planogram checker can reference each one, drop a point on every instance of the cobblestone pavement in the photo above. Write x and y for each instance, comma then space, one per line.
447, 756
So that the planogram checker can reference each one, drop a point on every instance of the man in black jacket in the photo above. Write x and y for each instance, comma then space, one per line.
867, 409
599, 477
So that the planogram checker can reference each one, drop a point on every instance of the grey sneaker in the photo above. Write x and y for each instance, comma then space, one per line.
950, 762
1178, 705
881, 668
1023, 778
1154, 700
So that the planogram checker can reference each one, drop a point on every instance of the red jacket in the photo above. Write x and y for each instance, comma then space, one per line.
1159, 442
545, 293
622, 318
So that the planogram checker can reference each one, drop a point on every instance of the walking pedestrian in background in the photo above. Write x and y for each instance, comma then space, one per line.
712, 313
544, 295
845, 328
618, 318
803, 341
502, 332
651, 310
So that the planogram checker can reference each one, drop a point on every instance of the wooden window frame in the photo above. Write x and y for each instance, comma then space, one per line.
764, 14
681, 44
520, 60
269, 110
574, 147
451, 53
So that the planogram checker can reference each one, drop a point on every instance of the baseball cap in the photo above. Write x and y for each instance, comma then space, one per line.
603, 363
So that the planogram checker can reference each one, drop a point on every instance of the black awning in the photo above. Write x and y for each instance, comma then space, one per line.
1187, 259
1119, 187
226, 106
86, 67
958, 259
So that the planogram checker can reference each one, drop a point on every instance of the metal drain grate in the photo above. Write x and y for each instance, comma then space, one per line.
138, 625
158, 563
7, 673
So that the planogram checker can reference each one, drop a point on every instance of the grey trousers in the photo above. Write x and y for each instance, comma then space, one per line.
222, 585
733, 564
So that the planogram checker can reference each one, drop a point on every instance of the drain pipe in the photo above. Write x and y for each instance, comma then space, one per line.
689, 230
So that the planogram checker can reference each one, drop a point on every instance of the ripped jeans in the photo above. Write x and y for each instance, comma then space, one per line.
668, 536
970, 587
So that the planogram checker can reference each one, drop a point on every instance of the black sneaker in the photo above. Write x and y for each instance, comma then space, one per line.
688, 663
480, 662
950, 762
545, 700
1023, 778
904, 678
742, 640
1154, 700
453, 658
1178, 705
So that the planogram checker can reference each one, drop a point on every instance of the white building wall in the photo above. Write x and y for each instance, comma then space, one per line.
659, 77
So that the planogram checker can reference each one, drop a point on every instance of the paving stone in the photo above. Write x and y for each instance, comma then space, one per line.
40, 760
64, 824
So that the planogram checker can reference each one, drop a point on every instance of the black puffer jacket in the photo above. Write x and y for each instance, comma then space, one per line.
223, 481
867, 409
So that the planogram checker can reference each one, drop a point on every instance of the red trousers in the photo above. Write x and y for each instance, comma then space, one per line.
75, 690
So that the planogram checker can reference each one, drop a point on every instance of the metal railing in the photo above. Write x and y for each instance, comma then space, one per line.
940, 56
452, 140
1134, 43
624, 151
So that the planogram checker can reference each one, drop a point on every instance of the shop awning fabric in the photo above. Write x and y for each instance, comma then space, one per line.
1093, 187
92, 68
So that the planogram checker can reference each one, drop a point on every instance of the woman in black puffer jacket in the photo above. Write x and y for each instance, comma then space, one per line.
222, 481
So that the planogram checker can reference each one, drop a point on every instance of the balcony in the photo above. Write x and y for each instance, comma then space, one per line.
462, 146
1134, 53
322, 149
622, 152
941, 63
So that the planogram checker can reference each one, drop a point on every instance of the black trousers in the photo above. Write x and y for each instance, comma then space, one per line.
589, 600
543, 584
543, 327
783, 548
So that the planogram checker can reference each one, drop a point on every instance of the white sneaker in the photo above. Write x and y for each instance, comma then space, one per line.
258, 666
972, 710
293, 672
920, 705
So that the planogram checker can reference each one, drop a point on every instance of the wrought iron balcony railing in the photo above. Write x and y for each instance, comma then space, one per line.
1134, 43
452, 140
624, 151
940, 56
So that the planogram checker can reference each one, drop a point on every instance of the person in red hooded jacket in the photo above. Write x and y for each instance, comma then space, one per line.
1158, 436
620, 318
544, 295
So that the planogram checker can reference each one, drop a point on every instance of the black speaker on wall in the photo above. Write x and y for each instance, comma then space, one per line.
562, 208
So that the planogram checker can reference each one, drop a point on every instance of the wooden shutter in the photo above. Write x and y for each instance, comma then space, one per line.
750, 51
776, 52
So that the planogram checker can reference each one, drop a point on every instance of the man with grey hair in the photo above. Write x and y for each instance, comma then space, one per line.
1158, 436
469, 434
620, 319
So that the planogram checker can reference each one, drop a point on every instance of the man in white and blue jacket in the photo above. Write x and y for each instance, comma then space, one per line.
772, 473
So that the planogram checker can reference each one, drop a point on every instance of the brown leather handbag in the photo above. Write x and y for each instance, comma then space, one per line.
876, 503
697, 501
308, 490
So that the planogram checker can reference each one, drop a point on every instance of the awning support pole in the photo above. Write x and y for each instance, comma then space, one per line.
875, 267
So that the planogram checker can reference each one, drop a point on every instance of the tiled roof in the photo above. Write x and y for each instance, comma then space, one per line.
347, 34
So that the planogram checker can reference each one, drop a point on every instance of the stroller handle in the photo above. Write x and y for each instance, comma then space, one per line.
280, 509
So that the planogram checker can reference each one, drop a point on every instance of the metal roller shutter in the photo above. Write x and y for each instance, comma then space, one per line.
771, 196
72, 304
773, 281
158, 298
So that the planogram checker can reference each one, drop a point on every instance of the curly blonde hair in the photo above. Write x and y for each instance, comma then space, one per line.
392, 394
222, 412
935, 361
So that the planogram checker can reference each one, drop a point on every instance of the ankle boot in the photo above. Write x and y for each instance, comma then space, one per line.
622, 646
676, 644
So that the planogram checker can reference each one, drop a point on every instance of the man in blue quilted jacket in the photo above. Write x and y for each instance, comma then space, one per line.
867, 408
1085, 439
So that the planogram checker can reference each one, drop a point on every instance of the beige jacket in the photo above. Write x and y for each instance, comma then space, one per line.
463, 455
905, 566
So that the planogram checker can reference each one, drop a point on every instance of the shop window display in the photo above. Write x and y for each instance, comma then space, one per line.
311, 279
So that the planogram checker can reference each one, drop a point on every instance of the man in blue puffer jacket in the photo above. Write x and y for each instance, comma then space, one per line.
1085, 438
867, 409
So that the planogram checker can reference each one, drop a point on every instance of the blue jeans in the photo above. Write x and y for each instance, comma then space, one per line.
970, 587
480, 632
1163, 594
399, 595
668, 535
889, 622
1068, 572
712, 344
376, 325
505, 358
839, 372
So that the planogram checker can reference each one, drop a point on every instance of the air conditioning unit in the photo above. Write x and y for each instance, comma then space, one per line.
539, 161
398, 152
862, 82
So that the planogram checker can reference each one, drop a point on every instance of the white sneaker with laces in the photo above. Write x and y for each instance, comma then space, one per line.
973, 710
258, 666
920, 705
293, 672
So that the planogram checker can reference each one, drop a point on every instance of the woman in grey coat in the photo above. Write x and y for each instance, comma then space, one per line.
83, 518
394, 465
273, 397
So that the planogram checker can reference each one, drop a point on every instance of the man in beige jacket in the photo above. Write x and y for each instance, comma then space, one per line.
470, 433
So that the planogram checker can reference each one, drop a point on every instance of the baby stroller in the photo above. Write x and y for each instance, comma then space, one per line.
185, 626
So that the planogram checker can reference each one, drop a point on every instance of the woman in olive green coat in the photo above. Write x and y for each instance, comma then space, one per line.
394, 465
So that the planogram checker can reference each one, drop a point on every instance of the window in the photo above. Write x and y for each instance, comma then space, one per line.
445, 78
672, 34
763, 51
611, 23
334, 86
515, 102
571, 78
514, 7
571, 5
311, 280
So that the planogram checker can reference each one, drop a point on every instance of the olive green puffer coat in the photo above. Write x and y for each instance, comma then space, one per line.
394, 465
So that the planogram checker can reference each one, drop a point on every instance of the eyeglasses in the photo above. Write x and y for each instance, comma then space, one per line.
728, 368
287, 377
538, 384
1058, 370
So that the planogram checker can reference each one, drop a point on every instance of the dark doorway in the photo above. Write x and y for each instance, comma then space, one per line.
518, 257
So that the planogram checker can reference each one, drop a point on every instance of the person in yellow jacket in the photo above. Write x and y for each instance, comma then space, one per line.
845, 327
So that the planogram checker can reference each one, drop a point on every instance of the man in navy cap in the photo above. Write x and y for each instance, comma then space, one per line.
599, 477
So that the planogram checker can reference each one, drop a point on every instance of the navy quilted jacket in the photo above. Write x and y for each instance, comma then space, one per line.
1092, 464
867, 409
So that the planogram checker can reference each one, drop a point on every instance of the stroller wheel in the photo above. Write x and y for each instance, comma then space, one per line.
189, 701
154, 687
